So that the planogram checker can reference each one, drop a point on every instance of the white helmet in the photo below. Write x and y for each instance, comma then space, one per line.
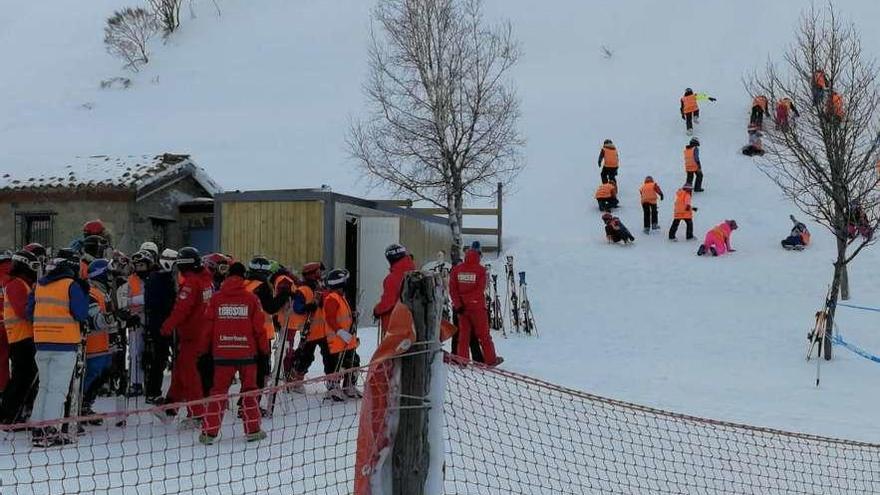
151, 247
167, 260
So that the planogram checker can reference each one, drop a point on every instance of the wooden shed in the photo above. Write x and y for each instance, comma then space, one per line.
301, 225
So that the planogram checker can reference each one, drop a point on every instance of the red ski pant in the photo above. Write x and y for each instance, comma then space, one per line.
186, 383
223, 375
475, 319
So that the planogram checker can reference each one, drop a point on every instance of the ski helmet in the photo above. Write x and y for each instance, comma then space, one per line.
216, 263
189, 259
93, 227
336, 279
94, 246
151, 247
732, 224
688, 91
607, 217
313, 270
25, 262
259, 267
695, 142
394, 252
475, 246
607, 141
237, 269
120, 264
5, 255
99, 270
65, 259
38, 250
143, 258
167, 260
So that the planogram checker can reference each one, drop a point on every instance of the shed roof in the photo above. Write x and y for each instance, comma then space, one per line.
137, 174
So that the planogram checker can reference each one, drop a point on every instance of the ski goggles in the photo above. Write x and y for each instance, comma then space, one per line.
33, 265
223, 268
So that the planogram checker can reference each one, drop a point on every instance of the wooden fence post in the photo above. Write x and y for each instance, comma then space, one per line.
411, 453
498, 206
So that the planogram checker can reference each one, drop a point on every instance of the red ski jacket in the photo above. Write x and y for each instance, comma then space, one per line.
467, 282
391, 288
236, 319
188, 315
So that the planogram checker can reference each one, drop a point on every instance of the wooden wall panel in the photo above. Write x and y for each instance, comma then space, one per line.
288, 231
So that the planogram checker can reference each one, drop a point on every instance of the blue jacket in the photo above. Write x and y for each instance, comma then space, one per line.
79, 305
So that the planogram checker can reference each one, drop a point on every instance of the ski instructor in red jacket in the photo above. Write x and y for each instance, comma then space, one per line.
188, 320
235, 318
467, 288
400, 263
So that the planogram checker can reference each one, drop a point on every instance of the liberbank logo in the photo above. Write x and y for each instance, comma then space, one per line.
233, 311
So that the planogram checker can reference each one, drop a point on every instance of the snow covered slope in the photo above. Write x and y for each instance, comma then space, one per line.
261, 95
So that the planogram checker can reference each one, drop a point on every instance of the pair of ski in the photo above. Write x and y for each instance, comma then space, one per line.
521, 316
820, 337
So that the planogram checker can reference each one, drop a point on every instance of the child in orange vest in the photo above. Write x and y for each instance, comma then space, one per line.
606, 196
608, 161
759, 110
615, 230
690, 108
799, 238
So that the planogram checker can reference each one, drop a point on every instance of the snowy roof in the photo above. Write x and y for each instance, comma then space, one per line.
135, 173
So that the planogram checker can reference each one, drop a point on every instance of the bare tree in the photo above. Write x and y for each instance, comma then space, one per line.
826, 160
168, 13
127, 33
443, 119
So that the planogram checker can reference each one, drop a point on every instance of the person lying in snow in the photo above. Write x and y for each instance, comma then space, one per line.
717, 241
615, 231
755, 146
799, 238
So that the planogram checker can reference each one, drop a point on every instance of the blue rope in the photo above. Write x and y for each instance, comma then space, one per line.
838, 340
866, 308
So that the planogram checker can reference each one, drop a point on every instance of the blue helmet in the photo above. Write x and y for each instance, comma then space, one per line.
99, 269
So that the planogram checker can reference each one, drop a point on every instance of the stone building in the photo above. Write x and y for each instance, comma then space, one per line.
138, 198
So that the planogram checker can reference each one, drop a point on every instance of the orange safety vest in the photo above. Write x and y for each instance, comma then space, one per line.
17, 329
648, 192
805, 238
760, 101
682, 205
819, 80
318, 327
611, 158
268, 326
836, 104
98, 341
690, 163
343, 322
135, 294
53, 323
605, 191
689, 103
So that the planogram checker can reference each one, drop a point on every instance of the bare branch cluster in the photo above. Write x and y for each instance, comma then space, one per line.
443, 115
827, 162
168, 13
127, 33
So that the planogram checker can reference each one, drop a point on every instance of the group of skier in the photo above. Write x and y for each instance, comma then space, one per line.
717, 240
88, 320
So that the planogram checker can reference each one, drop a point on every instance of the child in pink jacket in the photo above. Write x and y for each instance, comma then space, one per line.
717, 239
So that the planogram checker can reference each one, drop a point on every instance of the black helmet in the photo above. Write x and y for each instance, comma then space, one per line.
64, 259
94, 246
259, 267
25, 262
189, 259
38, 250
336, 279
695, 142
394, 252
143, 257
5, 255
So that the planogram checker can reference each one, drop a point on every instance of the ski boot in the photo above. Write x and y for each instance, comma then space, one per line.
655, 227
190, 423
713, 251
206, 439
136, 390
646, 230
87, 411
38, 438
701, 250
256, 436
498, 361
334, 393
154, 400
295, 380
349, 386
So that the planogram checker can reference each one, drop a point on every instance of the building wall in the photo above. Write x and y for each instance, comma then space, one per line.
288, 231
424, 239
69, 218
163, 204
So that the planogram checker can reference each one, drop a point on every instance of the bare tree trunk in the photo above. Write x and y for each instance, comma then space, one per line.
844, 283
455, 202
